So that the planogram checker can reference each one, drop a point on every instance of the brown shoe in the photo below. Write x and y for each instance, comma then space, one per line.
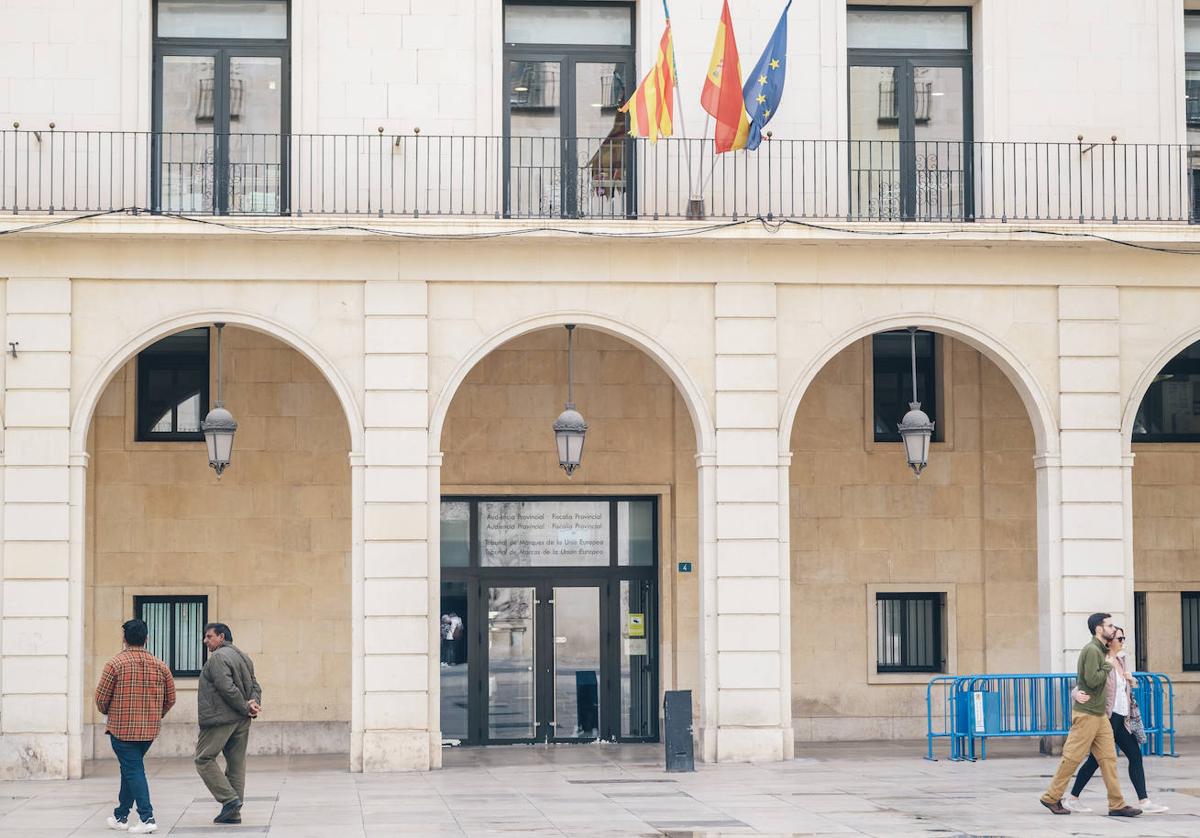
1056, 806
1124, 812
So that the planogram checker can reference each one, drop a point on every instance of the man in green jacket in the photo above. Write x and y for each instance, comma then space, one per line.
227, 699
1090, 730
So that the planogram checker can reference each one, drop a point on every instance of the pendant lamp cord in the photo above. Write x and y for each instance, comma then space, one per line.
912, 334
219, 326
570, 367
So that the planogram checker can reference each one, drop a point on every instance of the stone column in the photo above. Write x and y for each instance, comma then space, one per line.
753, 690
1095, 575
396, 616
41, 607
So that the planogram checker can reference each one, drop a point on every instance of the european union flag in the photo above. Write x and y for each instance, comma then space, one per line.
764, 86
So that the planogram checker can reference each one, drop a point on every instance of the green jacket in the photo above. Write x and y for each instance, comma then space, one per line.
1092, 675
227, 684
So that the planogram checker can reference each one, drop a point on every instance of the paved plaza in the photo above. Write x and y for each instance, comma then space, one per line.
601, 790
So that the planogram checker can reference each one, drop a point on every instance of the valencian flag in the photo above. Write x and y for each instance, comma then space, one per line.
764, 86
722, 94
651, 107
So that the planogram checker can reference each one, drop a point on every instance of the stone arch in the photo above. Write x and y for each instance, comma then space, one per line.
692, 396
1041, 416
82, 415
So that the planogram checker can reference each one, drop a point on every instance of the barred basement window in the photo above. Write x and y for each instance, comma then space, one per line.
172, 387
1190, 617
1139, 632
176, 630
909, 630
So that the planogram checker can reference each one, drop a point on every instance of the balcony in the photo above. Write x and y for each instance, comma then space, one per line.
614, 178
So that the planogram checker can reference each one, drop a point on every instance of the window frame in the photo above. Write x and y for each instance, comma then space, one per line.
221, 50
904, 62
1186, 597
144, 366
139, 600
938, 601
1177, 364
1140, 648
936, 393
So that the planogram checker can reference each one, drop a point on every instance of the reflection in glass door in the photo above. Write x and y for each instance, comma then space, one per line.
575, 671
186, 148
255, 99
534, 140
874, 146
603, 148
511, 661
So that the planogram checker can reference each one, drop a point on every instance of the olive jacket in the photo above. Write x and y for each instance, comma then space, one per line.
227, 684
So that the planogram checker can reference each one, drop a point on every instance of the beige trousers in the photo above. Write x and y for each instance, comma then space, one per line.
1088, 734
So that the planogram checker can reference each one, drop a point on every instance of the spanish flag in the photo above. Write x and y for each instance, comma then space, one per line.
651, 108
722, 94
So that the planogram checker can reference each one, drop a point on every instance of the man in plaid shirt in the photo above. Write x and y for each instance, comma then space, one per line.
135, 691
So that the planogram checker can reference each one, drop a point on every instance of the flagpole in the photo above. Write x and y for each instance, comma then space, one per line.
687, 148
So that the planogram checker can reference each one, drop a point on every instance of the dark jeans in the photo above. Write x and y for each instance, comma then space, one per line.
1128, 743
449, 651
133, 779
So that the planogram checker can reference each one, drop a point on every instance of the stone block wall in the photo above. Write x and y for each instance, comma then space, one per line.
269, 543
859, 524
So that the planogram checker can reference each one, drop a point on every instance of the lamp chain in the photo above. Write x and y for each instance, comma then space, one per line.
570, 367
912, 334
219, 326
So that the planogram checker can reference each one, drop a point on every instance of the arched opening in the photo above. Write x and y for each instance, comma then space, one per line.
1162, 432
564, 611
895, 580
266, 549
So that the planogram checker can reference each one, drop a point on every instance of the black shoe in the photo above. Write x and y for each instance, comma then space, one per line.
231, 812
1124, 812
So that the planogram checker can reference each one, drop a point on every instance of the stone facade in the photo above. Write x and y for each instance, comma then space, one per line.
377, 362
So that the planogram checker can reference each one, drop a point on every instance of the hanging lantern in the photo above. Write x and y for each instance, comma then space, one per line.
219, 426
569, 427
915, 428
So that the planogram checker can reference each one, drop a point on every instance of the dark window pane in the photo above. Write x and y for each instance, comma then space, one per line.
452, 632
1190, 617
1139, 631
1170, 410
175, 630
892, 381
172, 386
908, 630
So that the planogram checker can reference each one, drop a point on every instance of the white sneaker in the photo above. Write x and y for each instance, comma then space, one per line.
144, 827
1149, 807
113, 823
1074, 805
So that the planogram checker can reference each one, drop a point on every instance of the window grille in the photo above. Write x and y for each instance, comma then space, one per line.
1139, 632
1190, 618
909, 630
176, 630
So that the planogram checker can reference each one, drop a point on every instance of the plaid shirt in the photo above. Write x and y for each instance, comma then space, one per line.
135, 691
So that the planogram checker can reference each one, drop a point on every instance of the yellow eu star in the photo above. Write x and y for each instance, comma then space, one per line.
762, 79
774, 63
761, 99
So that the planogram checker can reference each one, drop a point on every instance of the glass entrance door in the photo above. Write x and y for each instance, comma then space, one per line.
548, 622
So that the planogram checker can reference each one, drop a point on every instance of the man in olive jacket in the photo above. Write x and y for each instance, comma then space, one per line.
228, 698
1090, 730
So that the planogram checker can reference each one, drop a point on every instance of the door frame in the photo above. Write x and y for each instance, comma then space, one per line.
607, 578
221, 50
904, 62
568, 57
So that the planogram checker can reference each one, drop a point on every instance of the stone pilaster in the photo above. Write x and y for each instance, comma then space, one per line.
396, 597
41, 624
1093, 520
752, 669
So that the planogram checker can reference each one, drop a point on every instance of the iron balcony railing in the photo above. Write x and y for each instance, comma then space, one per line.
612, 177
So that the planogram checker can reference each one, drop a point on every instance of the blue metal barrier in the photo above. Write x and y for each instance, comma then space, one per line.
970, 709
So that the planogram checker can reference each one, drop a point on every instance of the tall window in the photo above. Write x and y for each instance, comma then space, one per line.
910, 112
1190, 618
1139, 630
221, 106
909, 630
172, 387
568, 68
891, 381
176, 630
1191, 40
1170, 410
